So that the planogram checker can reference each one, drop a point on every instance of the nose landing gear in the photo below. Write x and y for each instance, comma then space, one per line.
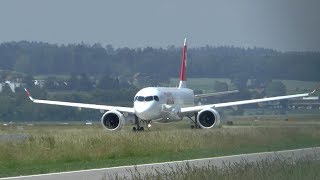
137, 129
137, 123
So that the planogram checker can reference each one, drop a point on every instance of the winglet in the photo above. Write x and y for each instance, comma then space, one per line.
28, 94
315, 90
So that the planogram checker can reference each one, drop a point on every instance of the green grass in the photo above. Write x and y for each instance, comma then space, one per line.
287, 121
280, 168
62, 148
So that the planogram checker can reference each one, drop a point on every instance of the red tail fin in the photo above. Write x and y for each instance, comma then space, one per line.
183, 77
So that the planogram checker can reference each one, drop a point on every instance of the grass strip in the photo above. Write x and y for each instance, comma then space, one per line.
55, 149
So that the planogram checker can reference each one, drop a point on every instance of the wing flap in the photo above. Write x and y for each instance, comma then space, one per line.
81, 105
215, 94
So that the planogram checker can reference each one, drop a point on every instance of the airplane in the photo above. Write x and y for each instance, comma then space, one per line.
152, 104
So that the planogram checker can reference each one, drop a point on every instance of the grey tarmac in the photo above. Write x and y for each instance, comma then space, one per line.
124, 171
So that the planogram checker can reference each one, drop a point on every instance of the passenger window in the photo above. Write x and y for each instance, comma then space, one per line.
156, 98
149, 98
140, 98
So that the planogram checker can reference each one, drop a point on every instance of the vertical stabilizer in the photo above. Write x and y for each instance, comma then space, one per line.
183, 78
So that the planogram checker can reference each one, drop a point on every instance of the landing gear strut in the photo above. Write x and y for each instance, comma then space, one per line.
137, 123
195, 126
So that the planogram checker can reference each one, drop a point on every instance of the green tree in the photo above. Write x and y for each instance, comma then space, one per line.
276, 88
219, 86
240, 80
23, 64
73, 82
108, 83
28, 80
85, 83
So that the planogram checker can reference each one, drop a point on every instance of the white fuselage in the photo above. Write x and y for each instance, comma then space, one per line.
158, 103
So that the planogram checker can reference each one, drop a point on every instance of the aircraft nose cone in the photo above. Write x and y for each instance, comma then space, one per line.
144, 110
142, 107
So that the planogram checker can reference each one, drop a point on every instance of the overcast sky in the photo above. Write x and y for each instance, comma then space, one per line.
285, 25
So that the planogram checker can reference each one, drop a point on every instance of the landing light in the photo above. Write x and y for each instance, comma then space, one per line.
149, 125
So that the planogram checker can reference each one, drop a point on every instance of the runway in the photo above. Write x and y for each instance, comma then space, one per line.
124, 171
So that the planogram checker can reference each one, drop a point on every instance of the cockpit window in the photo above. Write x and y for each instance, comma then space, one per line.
148, 98
140, 98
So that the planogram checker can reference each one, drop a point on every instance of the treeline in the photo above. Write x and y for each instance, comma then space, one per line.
158, 63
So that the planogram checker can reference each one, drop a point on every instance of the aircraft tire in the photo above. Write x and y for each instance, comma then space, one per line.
134, 129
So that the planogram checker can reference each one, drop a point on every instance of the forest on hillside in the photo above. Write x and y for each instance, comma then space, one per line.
38, 58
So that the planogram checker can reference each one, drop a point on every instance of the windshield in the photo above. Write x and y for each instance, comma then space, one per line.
147, 98
156, 98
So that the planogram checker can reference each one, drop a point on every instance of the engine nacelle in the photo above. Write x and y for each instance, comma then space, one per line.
208, 118
112, 120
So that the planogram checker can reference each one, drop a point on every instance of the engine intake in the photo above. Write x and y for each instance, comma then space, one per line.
112, 120
208, 118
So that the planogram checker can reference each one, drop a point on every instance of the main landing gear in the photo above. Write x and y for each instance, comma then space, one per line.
137, 123
195, 126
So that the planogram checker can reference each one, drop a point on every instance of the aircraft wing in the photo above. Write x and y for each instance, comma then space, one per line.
235, 103
215, 94
81, 105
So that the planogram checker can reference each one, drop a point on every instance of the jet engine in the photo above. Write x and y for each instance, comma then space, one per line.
112, 120
208, 118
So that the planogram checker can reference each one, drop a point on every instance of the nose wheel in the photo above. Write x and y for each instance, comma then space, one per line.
137, 123
137, 129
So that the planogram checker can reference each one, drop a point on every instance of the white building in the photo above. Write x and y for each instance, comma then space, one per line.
12, 85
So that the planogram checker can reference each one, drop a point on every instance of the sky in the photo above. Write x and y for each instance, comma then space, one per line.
285, 25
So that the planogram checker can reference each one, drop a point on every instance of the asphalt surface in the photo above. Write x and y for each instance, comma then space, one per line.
125, 171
